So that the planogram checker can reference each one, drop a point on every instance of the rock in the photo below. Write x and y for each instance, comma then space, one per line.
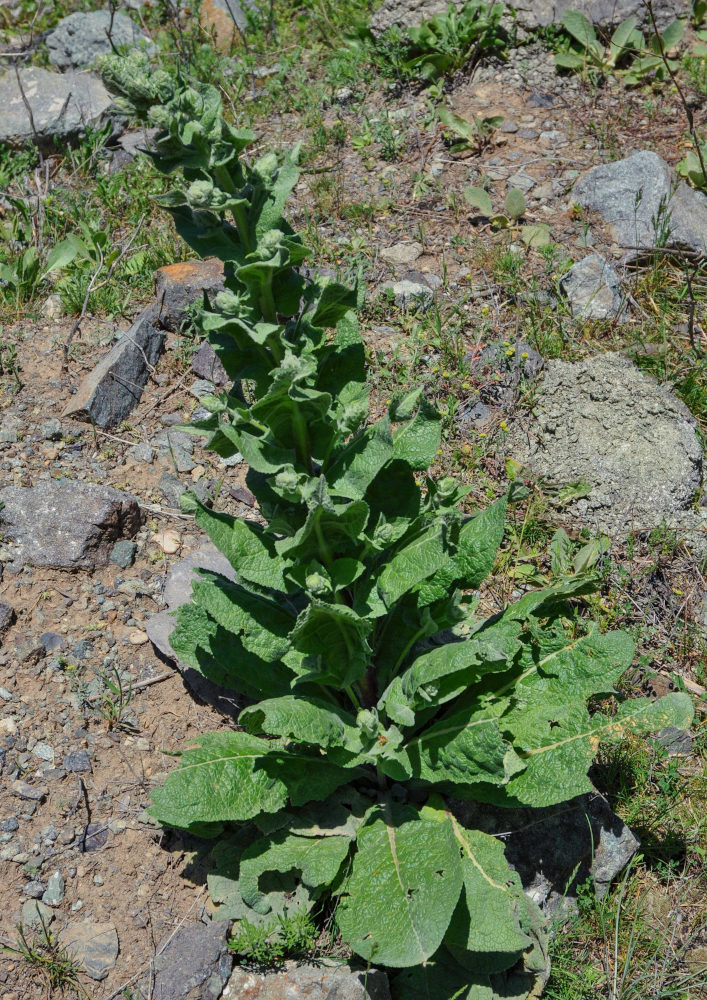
130, 145
9, 825
500, 369
53, 307
123, 553
640, 196
34, 889
93, 945
540, 13
593, 289
51, 430
194, 964
29, 652
324, 980
169, 541
402, 254
67, 524
177, 448
30, 793
7, 617
695, 958
56, 887
51, 641
114, 387
604, 421
79, 761
411, 294
63, 106
177, 588
226, 19
142, 453
80, 38
675, 742
36, 914
555, 849
206, 364
178, 286
172, 488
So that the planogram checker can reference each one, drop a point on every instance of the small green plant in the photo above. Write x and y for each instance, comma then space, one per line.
43, 956
627, 50
454, 40
473, 134
273, 941
533, 235
378, 692
115, 699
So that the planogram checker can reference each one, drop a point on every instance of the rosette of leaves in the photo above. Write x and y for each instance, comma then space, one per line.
458, 37
373, 691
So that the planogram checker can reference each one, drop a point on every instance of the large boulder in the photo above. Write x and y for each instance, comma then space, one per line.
540, 13
80, 38
66, 524
114, 388
644, 204
603, 421
62, 105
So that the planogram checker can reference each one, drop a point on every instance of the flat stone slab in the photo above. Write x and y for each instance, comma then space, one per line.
80, 38
94, 946
644, 204
593, 289
63, 105
603, 421
66, 524
538, 13
194, 965
321, 981
115, 386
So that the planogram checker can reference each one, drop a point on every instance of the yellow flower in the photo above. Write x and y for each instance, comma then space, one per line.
484, 310
445, 374
503, 425
439, 451
524, 354
510, 352
466, 385
482, 435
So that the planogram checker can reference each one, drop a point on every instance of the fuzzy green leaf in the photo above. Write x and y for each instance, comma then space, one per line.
304, 720
404, 886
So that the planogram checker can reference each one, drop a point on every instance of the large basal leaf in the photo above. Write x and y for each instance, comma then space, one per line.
417, 561
485, 933
444, 979
417, 440
479, 541
404, 886
359, 462
558, 743
336, 639
262, 625
251, 553
304, 720
316, 859
221, 778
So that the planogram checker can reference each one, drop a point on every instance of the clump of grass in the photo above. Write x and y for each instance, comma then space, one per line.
53, 966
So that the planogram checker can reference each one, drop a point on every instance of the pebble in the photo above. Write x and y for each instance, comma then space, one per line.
51, 429
44, 752
137, 637
201, 388
5, 694
8, 727
123, 553
34, 889
94, 945
24, 791
55, 891
79, 761
142, 453
169, 541
9, 825
34, 913
51, 641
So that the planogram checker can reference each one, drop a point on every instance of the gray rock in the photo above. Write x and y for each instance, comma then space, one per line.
555, 849
206, 364
539, 13
411, 294
593, 289
63, 106
36, 914
9, 825
130, 145
7, 617
177, 588
67, 524
676, 742
31, 793
172, 488
93, 945
401, 254
629, 438
56, 890
51, 641
114, 387
640, 198
51, 429
178, 286
123, 553
193, 965
142, 453
202, 387
79, 761
80, 38
34, 889
324, 980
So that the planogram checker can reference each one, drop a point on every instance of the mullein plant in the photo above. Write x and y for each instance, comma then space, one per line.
375, 693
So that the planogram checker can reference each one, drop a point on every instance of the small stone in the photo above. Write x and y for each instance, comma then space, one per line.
62, 105
34, 890
137, 637
49, 833
7, 617
9, 825
79, 761
29, 792
201, 388
29, 652
79, 38
35, 914
53, 307
593, 289
93, 838
55, 892
51, 429
676, 742
51, 641
94, 945
123, 553
401, 254
142, 453
169, 541
696, 958
206, 365
411, 295
5, 695
44, 752
8, 727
